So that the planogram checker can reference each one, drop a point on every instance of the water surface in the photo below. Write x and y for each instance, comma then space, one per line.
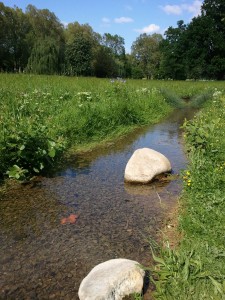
42, 259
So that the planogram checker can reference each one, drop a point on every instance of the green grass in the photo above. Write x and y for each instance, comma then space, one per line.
44, 116
196, 270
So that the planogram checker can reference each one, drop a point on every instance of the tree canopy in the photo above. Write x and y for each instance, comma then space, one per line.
35, 41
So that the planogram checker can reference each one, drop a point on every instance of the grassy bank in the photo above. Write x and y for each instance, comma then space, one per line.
44, 116
196, 270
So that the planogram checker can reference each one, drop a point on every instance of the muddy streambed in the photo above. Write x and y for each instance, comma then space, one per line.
42, 259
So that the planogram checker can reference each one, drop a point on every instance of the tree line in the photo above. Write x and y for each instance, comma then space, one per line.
36, 42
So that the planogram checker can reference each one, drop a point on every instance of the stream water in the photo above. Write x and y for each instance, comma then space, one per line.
42, 259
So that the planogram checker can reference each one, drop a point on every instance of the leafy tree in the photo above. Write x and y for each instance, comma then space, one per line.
46, 40
44, 24
104, 63
196, 50
14, 30
214, 12
76, 29
133, 68
81, 45
114, 42
173, 49
44, 58
146, 53
79, 56
215, 9
116, 45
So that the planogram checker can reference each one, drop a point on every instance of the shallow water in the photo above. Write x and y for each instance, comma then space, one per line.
42, 259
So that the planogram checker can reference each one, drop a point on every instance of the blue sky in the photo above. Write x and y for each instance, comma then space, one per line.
127, 18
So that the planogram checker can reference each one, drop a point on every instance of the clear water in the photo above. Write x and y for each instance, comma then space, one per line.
42, 259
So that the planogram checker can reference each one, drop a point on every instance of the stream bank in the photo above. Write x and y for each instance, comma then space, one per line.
43, 259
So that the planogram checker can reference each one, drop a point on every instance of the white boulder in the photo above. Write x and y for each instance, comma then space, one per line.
144, 165
112, 280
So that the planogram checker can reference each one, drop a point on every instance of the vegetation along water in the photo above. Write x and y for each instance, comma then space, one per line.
41, 116
196, 270
45, 116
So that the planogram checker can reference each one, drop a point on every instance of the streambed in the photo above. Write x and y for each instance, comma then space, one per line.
40, 258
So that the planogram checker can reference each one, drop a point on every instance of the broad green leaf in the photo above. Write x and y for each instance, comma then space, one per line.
51, 152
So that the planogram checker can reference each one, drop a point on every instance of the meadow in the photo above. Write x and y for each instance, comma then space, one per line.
42, 117
196, 269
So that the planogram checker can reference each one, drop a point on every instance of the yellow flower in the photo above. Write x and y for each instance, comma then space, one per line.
188, 173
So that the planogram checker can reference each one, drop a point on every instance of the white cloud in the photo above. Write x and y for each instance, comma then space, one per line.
149, 29
65, 24
194, 8
105, 20
172, 9
123, 20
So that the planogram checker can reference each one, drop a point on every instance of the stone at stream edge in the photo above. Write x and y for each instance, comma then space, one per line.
112, 280
144, 165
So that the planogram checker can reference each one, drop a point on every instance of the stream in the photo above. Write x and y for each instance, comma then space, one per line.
41, 258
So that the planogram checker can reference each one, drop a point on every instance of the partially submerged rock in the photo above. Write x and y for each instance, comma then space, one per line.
144, 165
112, 280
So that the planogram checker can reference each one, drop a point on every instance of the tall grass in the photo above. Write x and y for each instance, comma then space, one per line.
196, 270
42, 116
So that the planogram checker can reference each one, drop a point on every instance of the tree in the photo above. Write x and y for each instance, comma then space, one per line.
104, 63
46, 40
214, 12
197, 50
81, 45
14, 30
214, 9
76, 29
44, 58
146, 53
79, 56
115, 44
173, 49
202, 43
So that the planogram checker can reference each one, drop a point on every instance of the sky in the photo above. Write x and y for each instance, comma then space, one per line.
126, 18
